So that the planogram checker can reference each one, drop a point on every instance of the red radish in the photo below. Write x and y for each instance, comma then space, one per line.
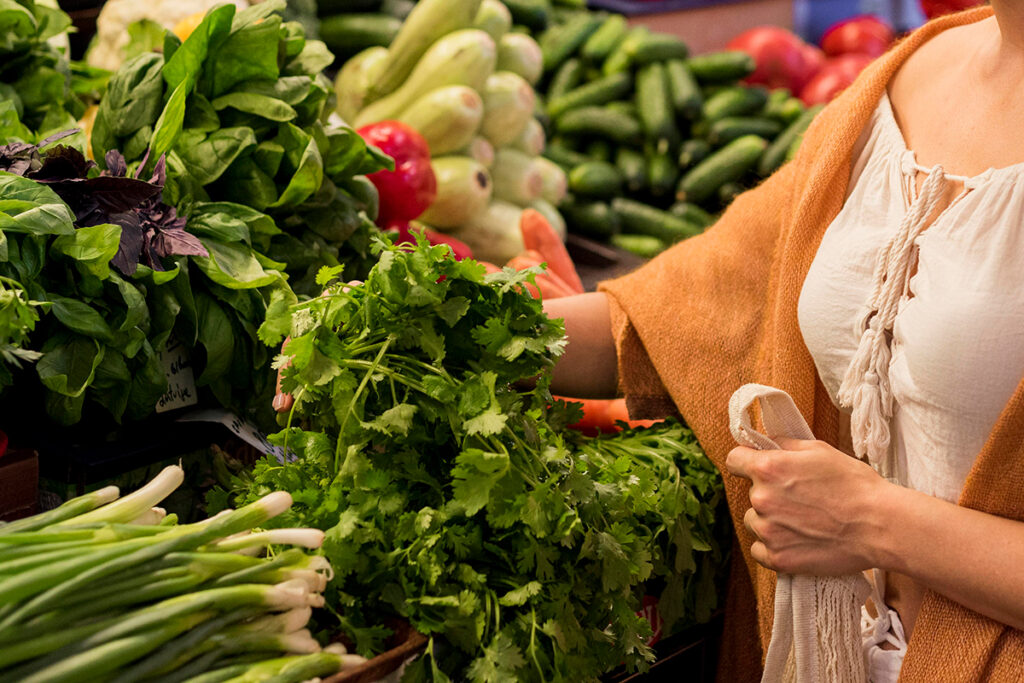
865, 34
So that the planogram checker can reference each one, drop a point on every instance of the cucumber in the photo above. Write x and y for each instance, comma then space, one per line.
508, 107
531, 140
599, 150
653, 104
642, 219
692, 152
783, 107
448, 118
600, 122
561, 42
521, 55
726, 165
686, 97
555, 184
347, 34
633, 167
619, 59
663, 173
461, 58
326, 8
464, 188
592, 219
735, 101
595, 179
565, 157
775, 155
623, 107
692, 213
601, 91
516, 178
605, 39
719, 67
494, 18
724, 131
530, 13
430, 22
728, 192
568, 76
657, 48
644, 246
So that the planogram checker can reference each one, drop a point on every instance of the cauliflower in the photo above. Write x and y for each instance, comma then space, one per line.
106, 50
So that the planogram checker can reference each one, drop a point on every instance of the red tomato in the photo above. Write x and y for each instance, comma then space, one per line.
837, 74
407, 234
866, 34
399, 141
407, 191
780, 56
935, 8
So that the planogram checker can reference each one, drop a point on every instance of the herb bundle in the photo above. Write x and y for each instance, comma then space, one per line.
452, 496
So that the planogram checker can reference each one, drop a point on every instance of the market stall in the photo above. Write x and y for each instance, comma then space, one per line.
276, 370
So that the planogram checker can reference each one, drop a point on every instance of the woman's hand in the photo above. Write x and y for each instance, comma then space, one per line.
814, 509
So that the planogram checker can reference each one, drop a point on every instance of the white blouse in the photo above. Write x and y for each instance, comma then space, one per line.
925, 348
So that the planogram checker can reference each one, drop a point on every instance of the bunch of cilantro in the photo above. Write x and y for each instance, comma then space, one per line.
454, 498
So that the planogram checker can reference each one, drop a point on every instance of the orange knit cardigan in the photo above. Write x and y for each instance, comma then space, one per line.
720, 310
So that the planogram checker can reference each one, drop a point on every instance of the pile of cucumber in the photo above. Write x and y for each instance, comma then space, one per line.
348, 27
655, 141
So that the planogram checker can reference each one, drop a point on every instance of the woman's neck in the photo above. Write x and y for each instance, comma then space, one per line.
1009, 16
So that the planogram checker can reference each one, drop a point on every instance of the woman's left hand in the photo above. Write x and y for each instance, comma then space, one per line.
814, 509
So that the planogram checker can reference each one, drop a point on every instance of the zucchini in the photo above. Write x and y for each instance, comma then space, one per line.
619, 59
521, 55
565, 157
653, 105
663, 172
775, 155
658, 47
644, 246
480, 149
728, 192
600, 122
559, 43
683, 90
719, 67
568, 76
735, 101
493, 234
508, 107
692, 213
605, 39
353, 81
516, 178
633, 167
347, 34
461, 58
532, 14
555, 184
595, 179
551, 215
591, 219
726, 165
448, 118
692, 152
642, 219
601, 91
728, 129
464, 189
494, 18
531, 140
430, 22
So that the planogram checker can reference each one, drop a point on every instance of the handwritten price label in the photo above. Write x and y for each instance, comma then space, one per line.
243, 429
181, 382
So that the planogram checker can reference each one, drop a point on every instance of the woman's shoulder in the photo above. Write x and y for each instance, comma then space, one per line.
939, 55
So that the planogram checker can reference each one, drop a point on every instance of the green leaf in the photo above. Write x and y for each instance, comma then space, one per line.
217, 338
314, 58
168, 126
520, 595
501, 659
394, 420
209, 156
28, 206
133, 101
187, 61
303, 165
264, 106
475, 474
249, 52
234, 265
69, 365
144, 35
92, 247
80, 317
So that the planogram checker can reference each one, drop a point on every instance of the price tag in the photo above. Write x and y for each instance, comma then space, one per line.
243, 429
181, 382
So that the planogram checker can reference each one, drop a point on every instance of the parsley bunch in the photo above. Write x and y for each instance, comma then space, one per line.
453, 497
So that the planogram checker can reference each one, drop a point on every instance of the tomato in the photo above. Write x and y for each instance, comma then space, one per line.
407, 234
936, 8
781, 57
835, 76
407, 191
865, 34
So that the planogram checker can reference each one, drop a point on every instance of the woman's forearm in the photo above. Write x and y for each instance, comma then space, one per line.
588, 368
971, 557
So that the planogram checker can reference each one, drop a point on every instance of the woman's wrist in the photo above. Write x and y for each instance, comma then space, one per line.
891, 512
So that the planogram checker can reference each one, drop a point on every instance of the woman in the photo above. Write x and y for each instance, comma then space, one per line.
920, 161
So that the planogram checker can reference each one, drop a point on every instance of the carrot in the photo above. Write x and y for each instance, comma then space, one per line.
539, 236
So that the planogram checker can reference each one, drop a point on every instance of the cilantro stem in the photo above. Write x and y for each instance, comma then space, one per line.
352, 403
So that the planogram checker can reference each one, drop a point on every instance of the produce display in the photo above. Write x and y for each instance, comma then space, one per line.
452, 497
456, 74
103, 588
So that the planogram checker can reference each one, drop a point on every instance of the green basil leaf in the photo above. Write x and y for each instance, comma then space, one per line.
264, 106
234, 266
169, 125
216, 337
28, 206
69, 366
208, 158
248, 52
187, 61
91, 247
314, 58
80, 317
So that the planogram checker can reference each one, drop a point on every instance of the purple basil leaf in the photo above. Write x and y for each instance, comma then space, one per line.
57, 136
132, 237
177, 243
116, 165
62, 163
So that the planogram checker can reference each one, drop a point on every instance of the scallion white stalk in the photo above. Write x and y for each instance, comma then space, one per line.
134, 504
